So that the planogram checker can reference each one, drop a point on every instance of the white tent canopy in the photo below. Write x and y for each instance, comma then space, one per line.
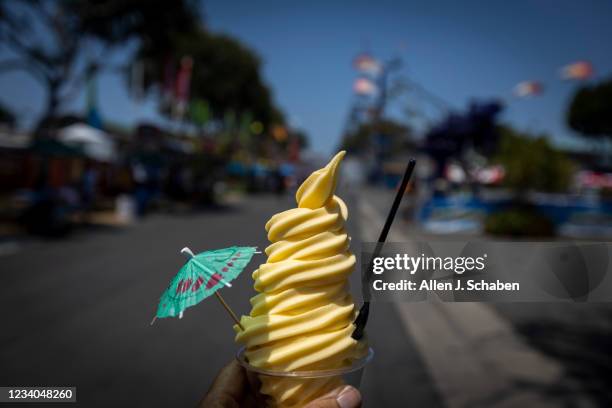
97, 144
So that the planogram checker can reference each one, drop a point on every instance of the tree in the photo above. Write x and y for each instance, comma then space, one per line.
226, 74
7, 117
392, 135
590, 110
459, 133
531, 163
62, 43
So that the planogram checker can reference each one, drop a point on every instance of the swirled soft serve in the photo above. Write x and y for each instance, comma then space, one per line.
302, 317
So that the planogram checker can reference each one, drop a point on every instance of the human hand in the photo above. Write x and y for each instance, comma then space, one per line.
232, 388
341, 397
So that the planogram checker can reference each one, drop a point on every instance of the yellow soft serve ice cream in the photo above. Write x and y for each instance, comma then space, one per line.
302, 318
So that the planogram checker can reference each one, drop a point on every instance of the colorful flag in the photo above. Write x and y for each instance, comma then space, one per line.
528, 88
293, 152
579, 70
364, 86
365, 63
183, 83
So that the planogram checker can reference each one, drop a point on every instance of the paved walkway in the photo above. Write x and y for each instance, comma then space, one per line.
475, 356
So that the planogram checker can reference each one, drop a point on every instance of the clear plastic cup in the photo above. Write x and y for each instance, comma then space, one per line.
350, 375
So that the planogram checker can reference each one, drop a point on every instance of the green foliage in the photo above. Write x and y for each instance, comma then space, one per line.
199, 112
226, 73
151, 21
519, 222
63, 43
532, 163
398, 136
590, 110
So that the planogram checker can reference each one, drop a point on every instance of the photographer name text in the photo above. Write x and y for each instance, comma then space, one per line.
455, 265
433, 284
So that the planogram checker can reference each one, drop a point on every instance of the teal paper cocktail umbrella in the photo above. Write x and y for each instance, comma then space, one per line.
202, 276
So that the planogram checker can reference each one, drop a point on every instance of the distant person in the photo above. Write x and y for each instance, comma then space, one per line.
278, 181
89, 182
47, 214
141, 193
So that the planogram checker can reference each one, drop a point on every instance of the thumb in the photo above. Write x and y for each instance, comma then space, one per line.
342, 397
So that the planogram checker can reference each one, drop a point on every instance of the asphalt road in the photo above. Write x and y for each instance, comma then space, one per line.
76, 312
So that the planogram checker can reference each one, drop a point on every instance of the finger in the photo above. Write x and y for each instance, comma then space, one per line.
231, 380
254, 387
253, 381
250, 401
228, 388
345, 397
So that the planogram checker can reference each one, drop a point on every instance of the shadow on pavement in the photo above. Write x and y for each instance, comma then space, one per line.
584, 351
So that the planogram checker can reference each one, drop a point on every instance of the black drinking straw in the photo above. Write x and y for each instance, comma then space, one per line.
362, 318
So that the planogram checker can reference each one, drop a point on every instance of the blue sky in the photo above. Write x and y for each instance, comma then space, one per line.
457, 50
